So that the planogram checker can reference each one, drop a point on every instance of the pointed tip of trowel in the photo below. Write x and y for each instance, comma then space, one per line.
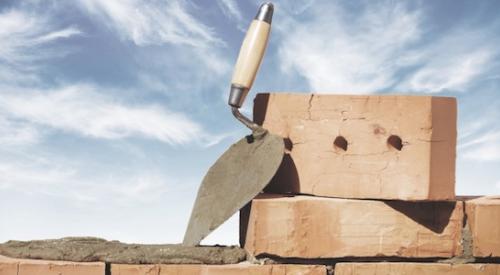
194, 232
190, 242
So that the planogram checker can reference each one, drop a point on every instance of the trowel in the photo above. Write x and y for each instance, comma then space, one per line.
249, 164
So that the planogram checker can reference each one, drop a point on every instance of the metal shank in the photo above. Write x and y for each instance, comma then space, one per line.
243, 119
236, 99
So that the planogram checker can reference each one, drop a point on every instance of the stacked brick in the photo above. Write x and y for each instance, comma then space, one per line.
366, 187
9, 266
367, 179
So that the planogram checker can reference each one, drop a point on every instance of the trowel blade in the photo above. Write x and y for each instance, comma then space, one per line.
235, 179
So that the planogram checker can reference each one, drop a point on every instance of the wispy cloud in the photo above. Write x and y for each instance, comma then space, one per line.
152, 22
384, 46
345, 54
454, 61
85, 109
39, 177
17, 133
187, 51
231, 10
488, 137
485, 147
59, 179
295, 7
26, 38
22, 32
64, 33
81, 109
471, 129
484, 152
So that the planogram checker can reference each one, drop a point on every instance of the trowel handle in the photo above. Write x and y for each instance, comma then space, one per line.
251, 53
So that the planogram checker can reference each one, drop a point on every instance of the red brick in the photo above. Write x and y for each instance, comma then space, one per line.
243, 268
42, 267
8, 266
424, 169
318, 227
483, 216
128, 269
415, 269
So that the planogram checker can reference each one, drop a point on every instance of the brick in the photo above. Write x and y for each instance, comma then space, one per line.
483, 216
370, 167
8, 266
34, 267
319, 227
245, 268
415, 269
128, 269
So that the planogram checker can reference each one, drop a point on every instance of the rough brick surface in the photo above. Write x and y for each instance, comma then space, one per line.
248, 269
370, 167
34, 267
317, 227
8, 266
415, 269
483, 216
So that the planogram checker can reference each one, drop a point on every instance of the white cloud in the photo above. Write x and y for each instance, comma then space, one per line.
64, 33
142, 187
488, 137
484, 152
17, 133
22, 32
83, 109
498, 186
296, 7
232, 11
472, 128
346, 54
37, 177
60, 179
153, 22
186, 41
25, 38
453, 62
80, 109
385, 45
484, 147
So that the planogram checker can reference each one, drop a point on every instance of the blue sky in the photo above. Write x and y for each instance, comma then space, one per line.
112, 111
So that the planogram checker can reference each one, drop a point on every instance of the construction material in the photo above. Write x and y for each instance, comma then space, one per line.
483, 219
416, 269
99, 250
12, 266
318, 228
9, 266
380, 147
248, 269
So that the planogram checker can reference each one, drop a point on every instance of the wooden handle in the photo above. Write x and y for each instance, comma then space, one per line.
251, 53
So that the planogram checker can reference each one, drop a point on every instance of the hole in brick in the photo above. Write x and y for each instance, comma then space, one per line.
395, 142
340, 143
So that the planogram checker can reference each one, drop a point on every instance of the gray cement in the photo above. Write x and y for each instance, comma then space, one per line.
89, 249
467, 246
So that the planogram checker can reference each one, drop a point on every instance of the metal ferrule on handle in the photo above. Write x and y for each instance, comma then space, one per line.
249, 59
